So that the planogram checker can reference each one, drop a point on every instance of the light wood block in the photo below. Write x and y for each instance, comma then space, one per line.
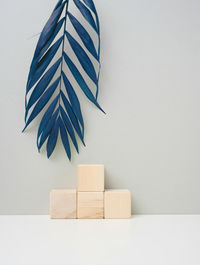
117, 204
63, 204
90, 177
90, 205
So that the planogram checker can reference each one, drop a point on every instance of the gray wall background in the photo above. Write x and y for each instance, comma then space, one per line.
149, 140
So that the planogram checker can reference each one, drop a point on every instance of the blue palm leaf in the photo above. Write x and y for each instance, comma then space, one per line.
58, 4
73, 100
91, 5
83, 58
64, 138
47, 82
48, 129
86, 14
80, 80
83, 34
42, 85
43, 101
45, 35
47, 116
44, 62
52, 139
51, 39
49, 27
72, 117
69, 127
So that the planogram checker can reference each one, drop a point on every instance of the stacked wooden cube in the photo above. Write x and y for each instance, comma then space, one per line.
90, 200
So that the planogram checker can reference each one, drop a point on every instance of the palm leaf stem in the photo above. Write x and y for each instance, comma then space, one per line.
62, 56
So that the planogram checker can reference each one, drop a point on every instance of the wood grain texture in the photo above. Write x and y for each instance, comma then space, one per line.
90, 205
117, 204
90, 177
63, 204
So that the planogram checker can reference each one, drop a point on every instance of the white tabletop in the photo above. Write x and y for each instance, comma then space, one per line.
141, 240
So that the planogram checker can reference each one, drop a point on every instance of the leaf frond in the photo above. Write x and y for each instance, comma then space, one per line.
49, 89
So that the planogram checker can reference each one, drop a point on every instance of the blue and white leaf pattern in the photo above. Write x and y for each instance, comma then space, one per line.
49, 86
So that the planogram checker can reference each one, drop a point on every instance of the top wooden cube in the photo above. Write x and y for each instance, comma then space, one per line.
90, 177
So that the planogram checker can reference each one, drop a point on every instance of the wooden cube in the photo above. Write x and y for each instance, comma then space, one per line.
63, 204
90, 205
91, 178
117, 204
